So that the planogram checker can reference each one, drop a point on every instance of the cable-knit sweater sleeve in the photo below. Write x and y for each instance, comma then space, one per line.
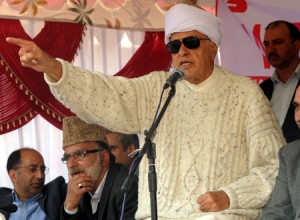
113, 102
263, 141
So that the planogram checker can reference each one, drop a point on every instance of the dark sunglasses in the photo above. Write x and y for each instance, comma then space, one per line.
191, 42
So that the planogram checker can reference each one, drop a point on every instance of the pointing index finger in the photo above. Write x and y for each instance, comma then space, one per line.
17, 41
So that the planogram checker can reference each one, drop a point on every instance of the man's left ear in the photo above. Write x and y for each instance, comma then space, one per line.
105, 158
297, 44
214, 49
131, 148
12, 175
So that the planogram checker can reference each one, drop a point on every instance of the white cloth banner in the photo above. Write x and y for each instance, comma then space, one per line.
244, 22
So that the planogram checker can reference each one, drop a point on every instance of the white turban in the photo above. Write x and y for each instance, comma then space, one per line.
182, 17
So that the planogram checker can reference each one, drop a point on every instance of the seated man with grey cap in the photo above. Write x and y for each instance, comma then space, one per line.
217, 144
95, 181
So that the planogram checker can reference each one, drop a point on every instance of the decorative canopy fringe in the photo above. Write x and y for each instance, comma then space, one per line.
24, 90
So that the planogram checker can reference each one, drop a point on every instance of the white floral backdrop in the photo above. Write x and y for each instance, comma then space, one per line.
124, 14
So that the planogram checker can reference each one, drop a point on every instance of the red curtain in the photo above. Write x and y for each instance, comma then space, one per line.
24, 93
151, 56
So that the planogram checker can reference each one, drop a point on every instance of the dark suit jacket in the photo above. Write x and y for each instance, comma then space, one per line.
110, 205
54, 194
289, 127
284, 203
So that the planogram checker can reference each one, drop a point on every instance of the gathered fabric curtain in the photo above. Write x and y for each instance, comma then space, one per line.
26, 87
29, 115
24, 93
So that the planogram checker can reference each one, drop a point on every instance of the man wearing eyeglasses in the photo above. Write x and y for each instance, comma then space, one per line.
216, 146
95, 181
31, 199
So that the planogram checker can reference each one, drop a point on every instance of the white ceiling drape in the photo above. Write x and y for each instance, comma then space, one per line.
146, 15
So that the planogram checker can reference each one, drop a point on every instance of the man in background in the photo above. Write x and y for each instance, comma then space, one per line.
282, 45
33, 199
95, 181
123, 147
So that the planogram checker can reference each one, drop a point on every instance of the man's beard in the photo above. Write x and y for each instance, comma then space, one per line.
95, 170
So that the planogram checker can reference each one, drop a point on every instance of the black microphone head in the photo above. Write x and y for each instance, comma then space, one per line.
9, 208
179, 73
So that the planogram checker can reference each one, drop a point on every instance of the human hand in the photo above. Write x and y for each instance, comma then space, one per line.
78, 185
214, 201
32, 56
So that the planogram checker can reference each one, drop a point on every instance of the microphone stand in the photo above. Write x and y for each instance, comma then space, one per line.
150, 149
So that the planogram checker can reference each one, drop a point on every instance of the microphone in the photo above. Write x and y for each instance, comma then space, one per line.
177, 74
9, 208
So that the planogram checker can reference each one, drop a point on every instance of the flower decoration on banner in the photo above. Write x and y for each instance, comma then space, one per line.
83, 10
165, 5
113, 4
118, 14
116, 26
27, 5
142, 15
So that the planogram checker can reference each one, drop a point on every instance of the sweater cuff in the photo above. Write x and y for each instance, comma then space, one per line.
232, 197
51, 81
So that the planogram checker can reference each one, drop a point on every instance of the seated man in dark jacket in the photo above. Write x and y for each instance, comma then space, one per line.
284, 203
32, 199
95, 181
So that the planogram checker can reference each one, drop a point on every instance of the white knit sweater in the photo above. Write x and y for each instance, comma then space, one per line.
219, 135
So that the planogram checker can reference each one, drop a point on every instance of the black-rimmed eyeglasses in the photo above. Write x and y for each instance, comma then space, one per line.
191, 42
78, 155
34, 168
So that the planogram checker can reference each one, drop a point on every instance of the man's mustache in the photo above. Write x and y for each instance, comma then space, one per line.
273, 55
74, 172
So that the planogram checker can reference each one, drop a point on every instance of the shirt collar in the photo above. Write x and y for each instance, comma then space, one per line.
98, 192
32, 199
296, 74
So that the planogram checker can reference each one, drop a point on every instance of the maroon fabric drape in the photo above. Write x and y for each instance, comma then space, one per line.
151, 56
24, 93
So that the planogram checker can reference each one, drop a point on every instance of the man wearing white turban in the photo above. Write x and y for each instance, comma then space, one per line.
218, 140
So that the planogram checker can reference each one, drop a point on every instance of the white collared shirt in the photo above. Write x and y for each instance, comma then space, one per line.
97, 195
283, 94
